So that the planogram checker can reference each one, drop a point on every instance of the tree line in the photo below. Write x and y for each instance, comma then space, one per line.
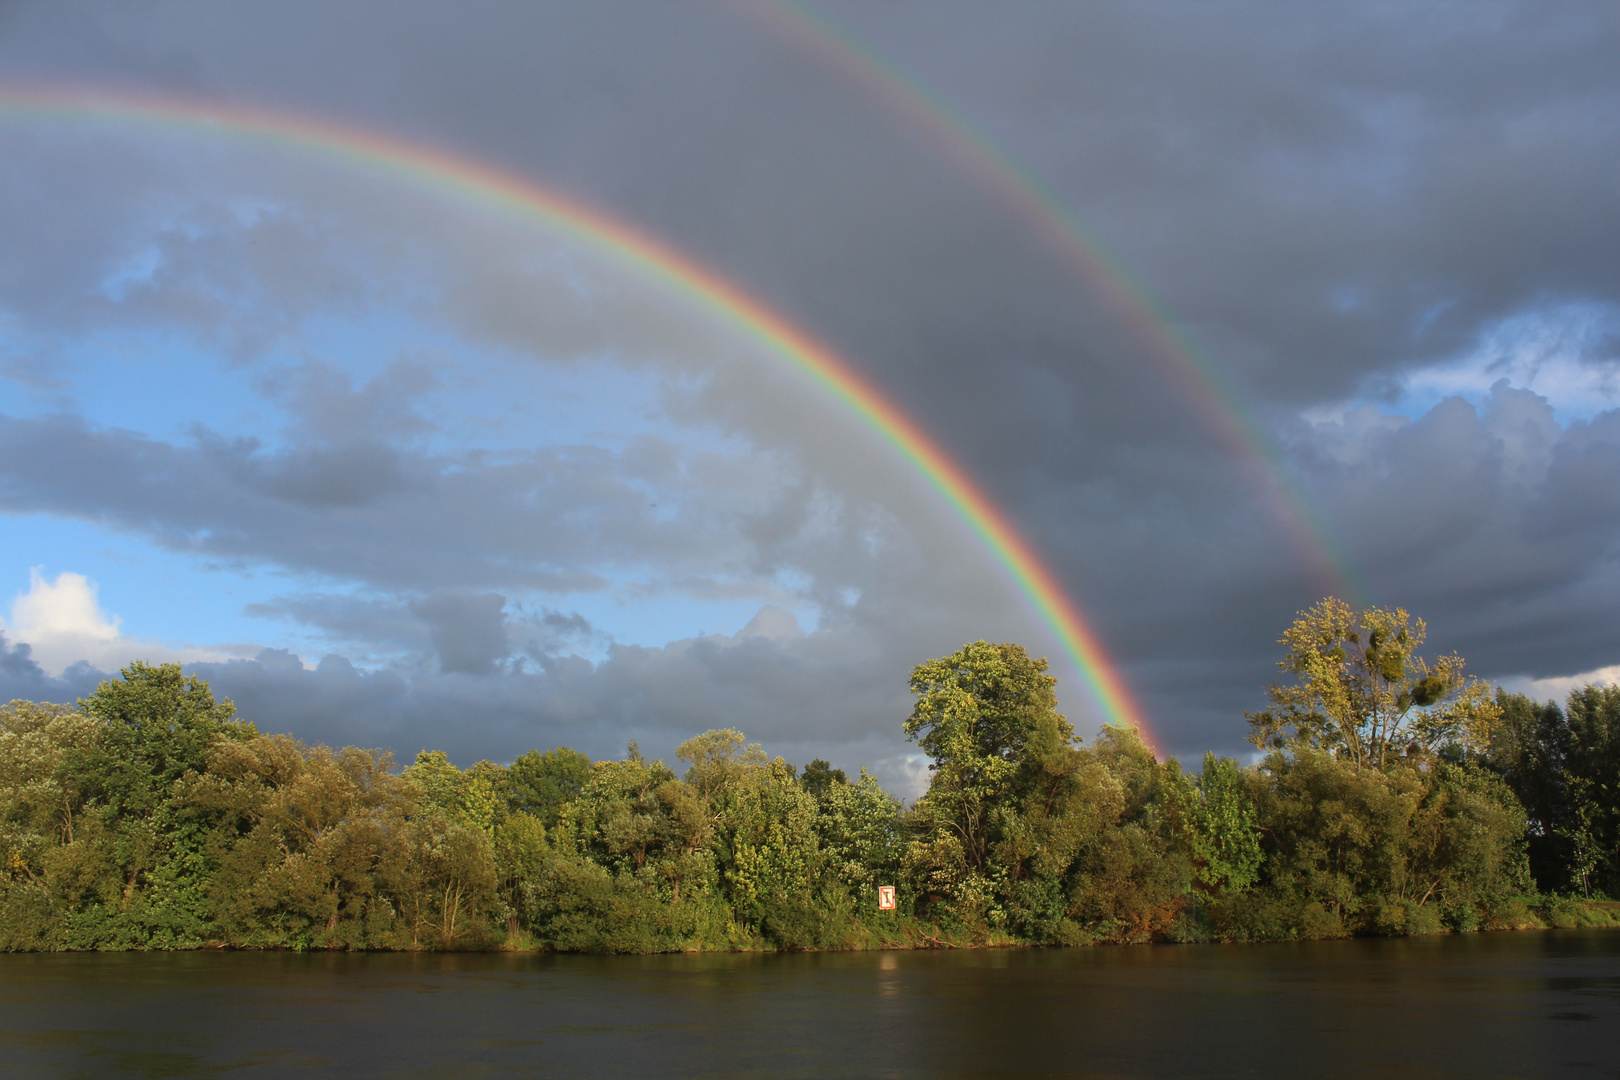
1393, 795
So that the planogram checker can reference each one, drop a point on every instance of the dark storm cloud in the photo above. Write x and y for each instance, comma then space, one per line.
768, 680
1361, 152
1482, 514
470, 633
1496, 524
1306, 185
1327, 200
125, 243
21, 677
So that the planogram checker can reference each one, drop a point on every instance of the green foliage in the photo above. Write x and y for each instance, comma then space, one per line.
1221, 828
446, 885
1563, 764
1023, 831
305, 843
439, 784
483, 798
1352, 849
859, 826
149, 817
1592, 770
1361, 690
820, 777
1530, 750
541, 784
986, 715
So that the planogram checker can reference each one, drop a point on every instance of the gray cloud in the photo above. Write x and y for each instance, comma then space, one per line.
539, 519
22, 678
766, 680
468, 630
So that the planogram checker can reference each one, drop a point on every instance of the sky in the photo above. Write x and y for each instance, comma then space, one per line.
1224, 308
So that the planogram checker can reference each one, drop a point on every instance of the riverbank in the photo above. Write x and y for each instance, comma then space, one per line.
1526, 913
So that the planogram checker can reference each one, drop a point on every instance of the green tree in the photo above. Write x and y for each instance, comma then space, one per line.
1401, 850
1361, 690
620, 819
1530, 749
540, 784
520, 854
859, 825
447, 885
304, 843
440, 785
769, 856
51, 858
1562, 765
631, 868
157, 725
819, 777
717, 758
1592, 777
1129, 881
987, 715
484, 797
1222, 829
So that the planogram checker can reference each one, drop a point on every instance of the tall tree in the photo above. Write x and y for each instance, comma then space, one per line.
540, 784
439, 783
1530, 749
819, 777
987, 715
157, 725
1592, 773
1362, 691
1222, 828
978, 713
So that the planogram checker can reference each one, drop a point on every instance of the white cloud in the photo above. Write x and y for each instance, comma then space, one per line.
1563, 353
1557, 688
66, 607
64, 623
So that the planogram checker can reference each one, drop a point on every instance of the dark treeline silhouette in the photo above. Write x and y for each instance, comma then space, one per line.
1395, 796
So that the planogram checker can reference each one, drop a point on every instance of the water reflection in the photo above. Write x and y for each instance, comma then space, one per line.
1526, 1004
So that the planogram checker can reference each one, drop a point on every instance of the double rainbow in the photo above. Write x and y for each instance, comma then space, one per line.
460, 178
1103, 275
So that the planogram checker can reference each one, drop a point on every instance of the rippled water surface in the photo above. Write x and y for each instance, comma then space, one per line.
1483, 1005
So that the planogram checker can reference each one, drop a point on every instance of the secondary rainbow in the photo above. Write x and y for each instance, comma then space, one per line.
1105, 276
458, 177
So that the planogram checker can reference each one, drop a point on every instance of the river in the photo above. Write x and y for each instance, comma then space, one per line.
1526, 1004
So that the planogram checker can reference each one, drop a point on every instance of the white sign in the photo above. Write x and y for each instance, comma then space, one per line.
885, 897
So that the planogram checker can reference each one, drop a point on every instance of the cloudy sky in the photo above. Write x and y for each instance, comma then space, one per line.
1226, 307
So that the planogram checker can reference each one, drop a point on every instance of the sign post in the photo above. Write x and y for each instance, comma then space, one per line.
885, 897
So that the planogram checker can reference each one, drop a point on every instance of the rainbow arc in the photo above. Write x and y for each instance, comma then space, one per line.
1103, 275
460, 178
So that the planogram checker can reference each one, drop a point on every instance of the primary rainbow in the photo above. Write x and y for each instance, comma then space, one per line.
1104, 275
448, 174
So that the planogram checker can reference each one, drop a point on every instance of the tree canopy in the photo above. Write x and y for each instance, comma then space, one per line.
1362, 691
1393, 797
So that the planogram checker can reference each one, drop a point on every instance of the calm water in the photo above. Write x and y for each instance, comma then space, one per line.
1484, 1005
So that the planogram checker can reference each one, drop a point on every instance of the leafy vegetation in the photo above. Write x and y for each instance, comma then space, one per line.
1395, 796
